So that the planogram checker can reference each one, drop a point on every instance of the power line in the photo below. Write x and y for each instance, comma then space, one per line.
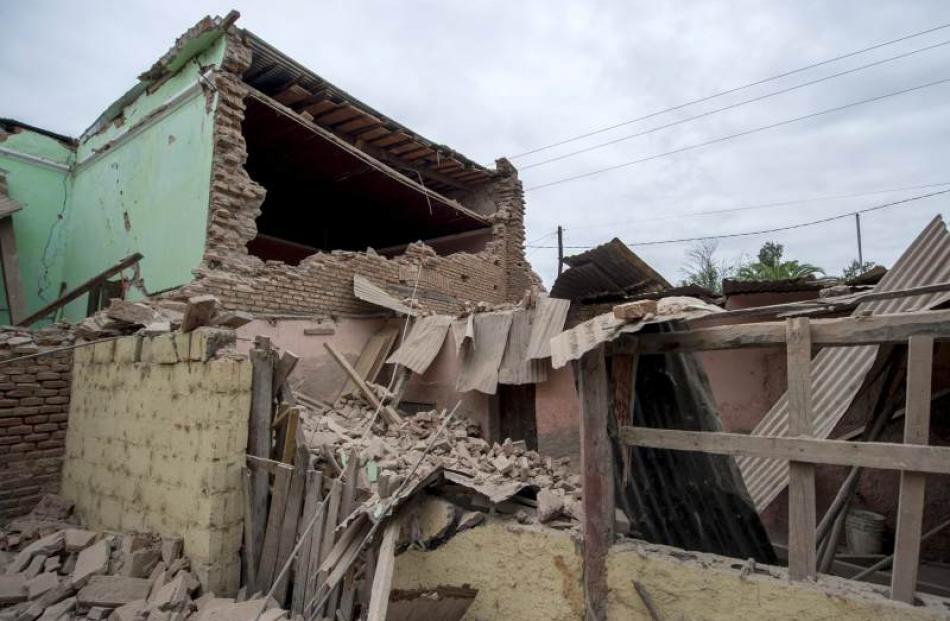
785, 203
733, 106
740, 134
731, 90
772, 230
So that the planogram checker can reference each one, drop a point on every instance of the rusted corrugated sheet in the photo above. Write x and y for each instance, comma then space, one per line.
549, 316
737, 287
423, 343
368, 292
838, 372
610, 268
516, 368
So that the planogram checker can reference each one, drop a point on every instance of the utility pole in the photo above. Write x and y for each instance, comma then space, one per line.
857, 223
560, 248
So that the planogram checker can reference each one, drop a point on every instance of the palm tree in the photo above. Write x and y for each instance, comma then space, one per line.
771, 267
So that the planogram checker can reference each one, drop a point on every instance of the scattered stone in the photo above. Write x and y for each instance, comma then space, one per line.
78, 539
93, 561
112, 591
12, 589
42, 583
550, 506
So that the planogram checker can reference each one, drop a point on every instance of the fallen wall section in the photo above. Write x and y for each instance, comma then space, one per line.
157, 443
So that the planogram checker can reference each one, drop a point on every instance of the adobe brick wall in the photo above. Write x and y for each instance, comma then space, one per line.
34, 406
323, 282
158, 442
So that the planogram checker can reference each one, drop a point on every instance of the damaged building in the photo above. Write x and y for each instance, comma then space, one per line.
273, 355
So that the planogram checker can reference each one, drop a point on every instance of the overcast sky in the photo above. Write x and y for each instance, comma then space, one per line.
495, 79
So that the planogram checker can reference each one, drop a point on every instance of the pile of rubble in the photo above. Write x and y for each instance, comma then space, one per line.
158, 316
388, 453
16, 342
51, 569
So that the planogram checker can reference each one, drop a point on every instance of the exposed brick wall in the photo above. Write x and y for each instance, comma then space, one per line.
34, 406
322, 283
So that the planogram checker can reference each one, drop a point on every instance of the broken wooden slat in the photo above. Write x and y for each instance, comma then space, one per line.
801, 489
383, 575
391, 416
12, 280
288, 530
371, 358
331, 514
259, 439
598, 481
308, 579
198, 312
251, 545
285, 366
63, 300
275, 520
913, 484
290, 435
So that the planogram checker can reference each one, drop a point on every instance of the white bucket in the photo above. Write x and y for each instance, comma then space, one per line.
864, 531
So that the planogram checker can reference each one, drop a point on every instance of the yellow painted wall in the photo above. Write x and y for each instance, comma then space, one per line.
534, 574
156, 442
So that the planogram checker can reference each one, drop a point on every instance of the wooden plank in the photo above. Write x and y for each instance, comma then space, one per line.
316, 545
312, 496
392, 139
372, 357
290, 435
198, 312
391, 416
913, 484
125, 263
288, 529
259, 441
292, 94
345, 113
844, 331
285, 366
12, 279
275, 520
320, 107
882, 455
383, 576
598, 477
801, 488
329, 537
251, 545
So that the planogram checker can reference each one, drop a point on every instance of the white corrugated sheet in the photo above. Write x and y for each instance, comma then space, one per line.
549, 316
368, 292
423, 343
516, 368
838, 372
481, 361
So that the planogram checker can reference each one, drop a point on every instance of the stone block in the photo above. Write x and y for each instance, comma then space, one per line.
112, 591
128, 349
104, 352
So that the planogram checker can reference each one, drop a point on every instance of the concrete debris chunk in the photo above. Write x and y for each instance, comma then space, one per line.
131, 611
57, 612
78, 539
47, 546
550, 506
112, 591
42, 583
12, 589
93, 561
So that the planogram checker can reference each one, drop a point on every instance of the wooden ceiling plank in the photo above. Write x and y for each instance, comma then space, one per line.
346, 113
292, 94
392, 139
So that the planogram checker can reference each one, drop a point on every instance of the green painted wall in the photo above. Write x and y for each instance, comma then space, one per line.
148, 193
40, 233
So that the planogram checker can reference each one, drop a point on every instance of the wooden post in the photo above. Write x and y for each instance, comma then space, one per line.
801, 488
258, 444
383, 576
12, 282
913, 484
598, 477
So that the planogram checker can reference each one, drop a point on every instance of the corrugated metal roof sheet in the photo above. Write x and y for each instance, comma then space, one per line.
423, 343
368, 292
574, 343
838, 372
516, 368
736, 287
610, 268
549, 316
481, 361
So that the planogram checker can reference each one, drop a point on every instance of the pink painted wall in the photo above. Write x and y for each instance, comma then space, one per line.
559, 415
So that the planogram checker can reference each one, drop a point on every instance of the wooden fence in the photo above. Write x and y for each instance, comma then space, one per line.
914, 458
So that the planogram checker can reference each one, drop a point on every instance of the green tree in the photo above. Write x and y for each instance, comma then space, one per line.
770, 266
856, 268
703, 268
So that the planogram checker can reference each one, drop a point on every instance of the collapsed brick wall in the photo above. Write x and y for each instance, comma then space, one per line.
34, 406
323, 282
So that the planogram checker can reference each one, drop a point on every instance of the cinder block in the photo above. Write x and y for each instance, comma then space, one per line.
128, 349
160, 349
183, 346
82, 355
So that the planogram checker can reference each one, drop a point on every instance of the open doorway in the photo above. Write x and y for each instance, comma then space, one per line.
517, 418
